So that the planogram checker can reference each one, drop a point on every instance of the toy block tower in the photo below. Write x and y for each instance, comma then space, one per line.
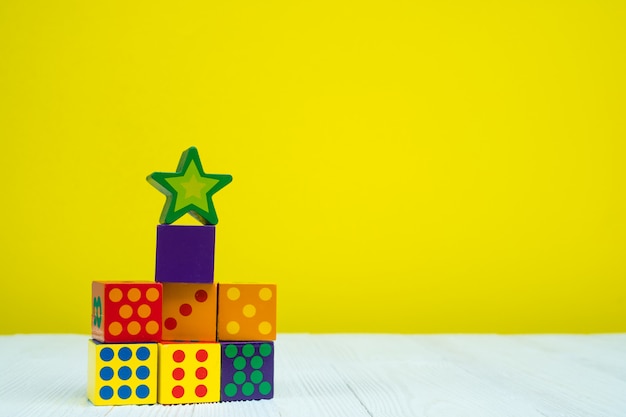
182, 338
189, 355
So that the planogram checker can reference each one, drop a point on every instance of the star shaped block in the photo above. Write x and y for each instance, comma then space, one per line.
189, 189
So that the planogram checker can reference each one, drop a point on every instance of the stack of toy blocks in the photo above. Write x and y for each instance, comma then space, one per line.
183, 338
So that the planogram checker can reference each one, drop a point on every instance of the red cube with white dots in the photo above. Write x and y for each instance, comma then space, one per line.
126, 311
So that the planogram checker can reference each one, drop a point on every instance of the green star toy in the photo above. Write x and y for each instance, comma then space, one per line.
189, 189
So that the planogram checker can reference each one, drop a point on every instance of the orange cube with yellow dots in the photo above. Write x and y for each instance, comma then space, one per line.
189, 312
246, 312
126, 311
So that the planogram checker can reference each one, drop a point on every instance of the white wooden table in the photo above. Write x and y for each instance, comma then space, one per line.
359, 375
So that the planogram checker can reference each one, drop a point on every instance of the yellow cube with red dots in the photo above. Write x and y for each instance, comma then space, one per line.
126, 311
189, 373
189, 312
246, 312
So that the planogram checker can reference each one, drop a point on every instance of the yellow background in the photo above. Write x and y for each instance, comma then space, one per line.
399, 166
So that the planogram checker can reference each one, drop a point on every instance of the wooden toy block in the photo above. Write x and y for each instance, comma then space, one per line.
246, 312
189, 189
185, 253
189, 312
189, 373
126, 311
247, 371
122, 374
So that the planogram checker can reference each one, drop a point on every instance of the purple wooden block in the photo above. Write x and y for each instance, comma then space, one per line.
185, 253
247, 371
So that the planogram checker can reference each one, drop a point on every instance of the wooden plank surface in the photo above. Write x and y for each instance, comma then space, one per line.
359, 375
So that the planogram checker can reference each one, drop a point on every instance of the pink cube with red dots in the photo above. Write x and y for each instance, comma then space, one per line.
126, 311
189, 373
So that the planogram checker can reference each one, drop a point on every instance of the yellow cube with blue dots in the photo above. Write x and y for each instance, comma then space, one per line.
122, 374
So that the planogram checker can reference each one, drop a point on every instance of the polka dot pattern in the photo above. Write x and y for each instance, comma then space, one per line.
266, 294
144, 311
152, 327
246, 312
202, 355
232, 327
201, 391
134, 294
125, 354
178, 374
170, 323
233, 294
201, 372
142, 391
201, 296
178, 391
129, 309
185, 310
133, 328
106, 373
124, 392
249, 310
189, 311
143, 372
106, 392
123, 374
265, 327
178, 356
126, 311
115, 295
247, 350
153, 294
143, 353
115, 328
131, 312
106, 354
189, 372
247, 370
